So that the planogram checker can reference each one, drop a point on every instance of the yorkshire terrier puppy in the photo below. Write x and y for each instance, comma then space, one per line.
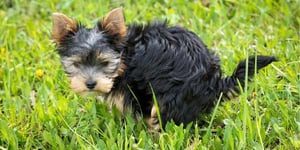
127, 65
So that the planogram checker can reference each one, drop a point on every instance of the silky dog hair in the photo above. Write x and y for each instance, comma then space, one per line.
127, 65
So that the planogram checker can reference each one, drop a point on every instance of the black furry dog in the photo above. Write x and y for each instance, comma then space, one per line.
126, 65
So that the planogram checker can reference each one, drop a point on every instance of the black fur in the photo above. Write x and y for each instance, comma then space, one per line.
185, 75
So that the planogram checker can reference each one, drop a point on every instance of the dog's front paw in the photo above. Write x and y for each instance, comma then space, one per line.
153, 121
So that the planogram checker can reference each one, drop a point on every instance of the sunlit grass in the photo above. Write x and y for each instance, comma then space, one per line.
39, 111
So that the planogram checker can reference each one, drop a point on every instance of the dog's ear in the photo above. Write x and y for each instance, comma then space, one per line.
62, 25
114, 23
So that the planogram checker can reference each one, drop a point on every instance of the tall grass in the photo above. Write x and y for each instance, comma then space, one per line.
39, 111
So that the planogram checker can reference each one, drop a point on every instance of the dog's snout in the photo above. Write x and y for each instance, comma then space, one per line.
90, 84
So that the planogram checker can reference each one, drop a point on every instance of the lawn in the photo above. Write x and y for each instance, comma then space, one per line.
39, 111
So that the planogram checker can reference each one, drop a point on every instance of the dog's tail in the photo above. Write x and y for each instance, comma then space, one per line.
229, 86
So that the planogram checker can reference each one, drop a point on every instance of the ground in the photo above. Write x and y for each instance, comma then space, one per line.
39, 111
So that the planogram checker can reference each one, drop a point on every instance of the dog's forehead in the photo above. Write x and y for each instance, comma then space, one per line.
90, 37
87, 41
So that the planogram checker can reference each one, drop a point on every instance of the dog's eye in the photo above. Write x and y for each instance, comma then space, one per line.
104, 63
76, 64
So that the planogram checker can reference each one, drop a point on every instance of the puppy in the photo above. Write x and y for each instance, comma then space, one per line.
128, 65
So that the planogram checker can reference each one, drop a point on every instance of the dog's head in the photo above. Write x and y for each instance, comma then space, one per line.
90, 56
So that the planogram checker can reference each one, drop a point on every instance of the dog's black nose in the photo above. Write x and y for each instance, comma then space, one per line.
90, 84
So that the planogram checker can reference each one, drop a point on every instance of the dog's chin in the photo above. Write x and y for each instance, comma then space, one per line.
93, 94
90, 94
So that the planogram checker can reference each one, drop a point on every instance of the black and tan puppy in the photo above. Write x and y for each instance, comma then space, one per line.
124, 64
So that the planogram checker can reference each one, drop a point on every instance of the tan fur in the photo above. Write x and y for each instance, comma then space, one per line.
117, 99
104, 84
121, 69
152, 121
122, 66
78, 84
114, 22
232, 94
62, 24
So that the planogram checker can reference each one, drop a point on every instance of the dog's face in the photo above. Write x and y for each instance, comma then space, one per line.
90, 56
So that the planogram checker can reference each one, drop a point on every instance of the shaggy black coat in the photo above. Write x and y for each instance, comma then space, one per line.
185, 76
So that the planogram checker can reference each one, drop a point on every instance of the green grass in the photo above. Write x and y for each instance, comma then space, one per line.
39, 111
